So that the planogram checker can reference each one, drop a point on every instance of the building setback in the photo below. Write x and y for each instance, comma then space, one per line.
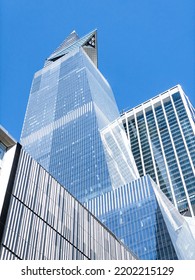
161, 132
145, 220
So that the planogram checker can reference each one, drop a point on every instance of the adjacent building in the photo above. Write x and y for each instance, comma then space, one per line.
161, 132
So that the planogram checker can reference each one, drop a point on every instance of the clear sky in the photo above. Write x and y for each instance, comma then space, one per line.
144, 47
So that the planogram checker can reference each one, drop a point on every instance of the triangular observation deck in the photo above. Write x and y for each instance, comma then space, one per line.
87, 42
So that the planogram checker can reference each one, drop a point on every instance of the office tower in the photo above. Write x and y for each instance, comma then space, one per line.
40, 219
161, 134
69, 104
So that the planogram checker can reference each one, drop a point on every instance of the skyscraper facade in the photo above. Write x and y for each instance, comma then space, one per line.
69, 104
161, 132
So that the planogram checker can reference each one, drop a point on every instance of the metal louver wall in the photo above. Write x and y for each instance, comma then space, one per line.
45, 222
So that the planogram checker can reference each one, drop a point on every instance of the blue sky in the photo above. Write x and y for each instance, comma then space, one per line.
144, 47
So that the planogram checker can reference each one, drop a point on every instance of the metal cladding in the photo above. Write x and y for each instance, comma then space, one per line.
45, 222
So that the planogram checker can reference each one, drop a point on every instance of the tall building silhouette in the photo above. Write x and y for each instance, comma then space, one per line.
161, 132
73, 129
70, 103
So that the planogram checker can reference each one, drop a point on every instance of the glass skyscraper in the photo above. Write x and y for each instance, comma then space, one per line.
69, 105
161, 132
73, 129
